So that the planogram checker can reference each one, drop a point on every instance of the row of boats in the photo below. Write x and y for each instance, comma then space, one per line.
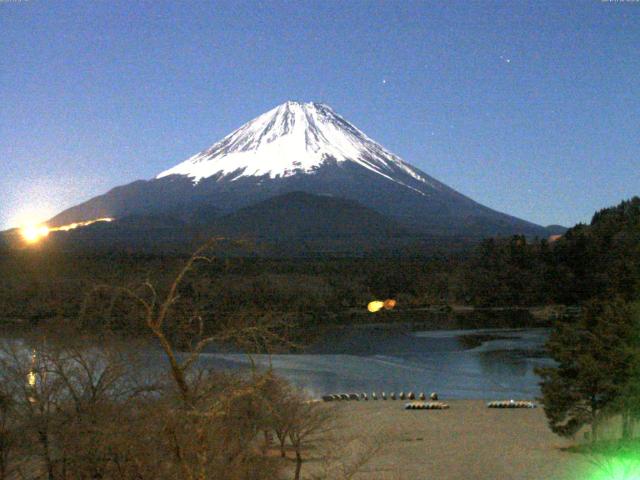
426, 406
511, 404
422, 403
495, 404
374, 396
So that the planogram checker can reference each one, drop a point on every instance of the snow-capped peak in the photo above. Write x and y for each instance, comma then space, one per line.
291, 139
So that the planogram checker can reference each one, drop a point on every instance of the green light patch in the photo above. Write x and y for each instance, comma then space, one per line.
625, 467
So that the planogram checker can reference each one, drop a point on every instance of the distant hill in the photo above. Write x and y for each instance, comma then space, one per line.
555, 229
303, 216
292, 223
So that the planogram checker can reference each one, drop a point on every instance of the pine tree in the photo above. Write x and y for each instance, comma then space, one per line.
628, 402
595, 361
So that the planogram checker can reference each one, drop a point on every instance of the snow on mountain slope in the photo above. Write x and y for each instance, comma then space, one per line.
294, 138
299, 147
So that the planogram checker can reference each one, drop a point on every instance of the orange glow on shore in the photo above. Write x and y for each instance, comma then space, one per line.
33, 233
375, 306
389, 304
378, 305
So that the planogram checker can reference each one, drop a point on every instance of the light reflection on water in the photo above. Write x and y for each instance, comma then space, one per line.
364, 360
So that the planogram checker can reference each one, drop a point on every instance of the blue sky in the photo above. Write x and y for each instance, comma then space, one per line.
529, 108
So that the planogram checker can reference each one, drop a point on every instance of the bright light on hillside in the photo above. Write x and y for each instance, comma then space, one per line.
34, 233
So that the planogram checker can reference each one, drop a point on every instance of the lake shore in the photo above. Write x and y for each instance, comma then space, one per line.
468, 440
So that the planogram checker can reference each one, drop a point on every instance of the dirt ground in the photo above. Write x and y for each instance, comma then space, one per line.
467, 441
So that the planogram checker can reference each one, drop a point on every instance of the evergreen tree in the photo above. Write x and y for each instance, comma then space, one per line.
595, 357
628, 402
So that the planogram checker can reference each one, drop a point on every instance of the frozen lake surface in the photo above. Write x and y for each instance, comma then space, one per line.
473, 364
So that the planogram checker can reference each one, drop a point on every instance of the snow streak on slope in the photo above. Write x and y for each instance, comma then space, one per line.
294, 138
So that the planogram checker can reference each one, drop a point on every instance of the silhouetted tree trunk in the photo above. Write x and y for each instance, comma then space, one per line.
298, 464
46, 449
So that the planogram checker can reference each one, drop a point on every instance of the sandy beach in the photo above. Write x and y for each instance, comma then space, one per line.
467, 441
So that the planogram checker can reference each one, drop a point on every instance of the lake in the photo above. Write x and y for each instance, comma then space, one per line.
463, 364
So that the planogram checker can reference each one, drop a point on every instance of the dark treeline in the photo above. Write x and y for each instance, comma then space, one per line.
596, 260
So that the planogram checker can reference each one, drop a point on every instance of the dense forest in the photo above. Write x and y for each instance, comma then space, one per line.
595, 260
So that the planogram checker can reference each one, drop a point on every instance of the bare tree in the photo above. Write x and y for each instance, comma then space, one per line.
209, 428
279, 400
8, 434
308, 422
88, 409
70, 400
36, 395
251, 331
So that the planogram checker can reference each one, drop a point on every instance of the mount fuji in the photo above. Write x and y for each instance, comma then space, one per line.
300, 147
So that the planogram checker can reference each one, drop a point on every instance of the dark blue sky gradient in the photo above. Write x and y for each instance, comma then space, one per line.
529, 108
